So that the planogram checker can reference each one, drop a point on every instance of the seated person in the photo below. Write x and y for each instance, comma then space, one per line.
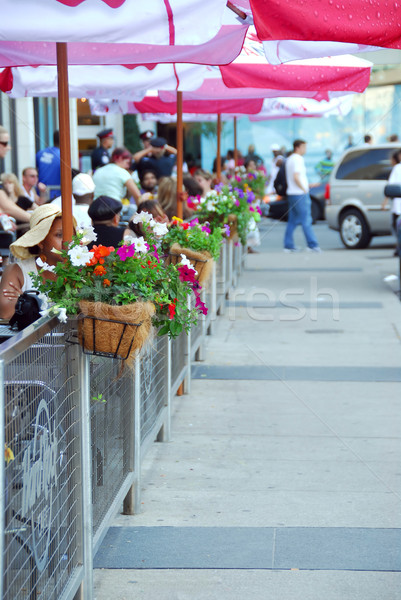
105, 215
149, 182
152, 207
45, 233
167, 198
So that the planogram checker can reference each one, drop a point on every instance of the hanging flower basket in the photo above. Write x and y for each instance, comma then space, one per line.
202, 262
114, 331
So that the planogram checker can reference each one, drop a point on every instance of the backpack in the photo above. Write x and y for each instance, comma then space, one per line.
280, 183
27, 310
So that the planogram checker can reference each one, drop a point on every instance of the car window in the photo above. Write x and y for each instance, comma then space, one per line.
366, 164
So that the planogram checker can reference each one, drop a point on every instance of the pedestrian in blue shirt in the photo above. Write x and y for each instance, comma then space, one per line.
48, 166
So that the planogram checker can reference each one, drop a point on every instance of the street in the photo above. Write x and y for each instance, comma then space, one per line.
282, 479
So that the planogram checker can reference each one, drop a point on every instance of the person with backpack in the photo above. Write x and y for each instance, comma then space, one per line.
299, 200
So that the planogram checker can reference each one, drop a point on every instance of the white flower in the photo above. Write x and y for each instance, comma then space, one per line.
142, 217
88, 234
129, 239
55, 311
61, 314
187, 263
44, 301
210, 206
160, 229
79, 256
44, 265
140, 245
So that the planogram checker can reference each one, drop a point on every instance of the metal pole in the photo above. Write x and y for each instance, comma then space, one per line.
218, 160
235, 143
65, 148
86, 470
180, 156
137, 437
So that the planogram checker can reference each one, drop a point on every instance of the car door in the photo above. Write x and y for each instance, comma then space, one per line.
361, 178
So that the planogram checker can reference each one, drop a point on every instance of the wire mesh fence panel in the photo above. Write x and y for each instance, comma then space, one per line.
42, 474
111, 392
179, 360
154, 381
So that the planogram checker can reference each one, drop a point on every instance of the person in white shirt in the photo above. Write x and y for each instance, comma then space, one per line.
299, 201
83, 191
395, 177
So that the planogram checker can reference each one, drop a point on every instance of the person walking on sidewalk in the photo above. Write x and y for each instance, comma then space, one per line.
299, 201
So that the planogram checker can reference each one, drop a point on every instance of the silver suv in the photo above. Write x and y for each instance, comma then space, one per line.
355, 193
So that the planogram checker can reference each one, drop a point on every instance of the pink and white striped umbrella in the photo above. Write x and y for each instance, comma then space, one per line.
166, 31
97, 81
277, 108
296, 29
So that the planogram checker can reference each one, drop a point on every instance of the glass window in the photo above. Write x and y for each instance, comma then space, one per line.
366, 164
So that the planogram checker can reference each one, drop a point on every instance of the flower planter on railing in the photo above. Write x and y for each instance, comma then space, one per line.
202, 262
114, 331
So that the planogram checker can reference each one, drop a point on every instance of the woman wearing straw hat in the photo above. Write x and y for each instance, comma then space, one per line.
45, 233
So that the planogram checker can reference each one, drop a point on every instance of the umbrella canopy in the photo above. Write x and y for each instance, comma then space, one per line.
285, 108
162, 22
97, 81
295, 29
189, 44
277, 108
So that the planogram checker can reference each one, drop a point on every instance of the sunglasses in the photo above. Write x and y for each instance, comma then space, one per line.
5, 144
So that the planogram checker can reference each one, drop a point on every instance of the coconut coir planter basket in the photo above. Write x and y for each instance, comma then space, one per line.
202, 262
114, 331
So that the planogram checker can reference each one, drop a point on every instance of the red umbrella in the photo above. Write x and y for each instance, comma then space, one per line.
298, 29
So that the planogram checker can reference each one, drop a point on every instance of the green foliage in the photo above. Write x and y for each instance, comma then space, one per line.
194, 235
121, 276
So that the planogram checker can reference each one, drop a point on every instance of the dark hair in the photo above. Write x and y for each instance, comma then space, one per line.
56, 138
192, 186
34, 250
367, 138
104, 208
141, 177
246, 164
298, 143
150, 206
120, 153
396, 156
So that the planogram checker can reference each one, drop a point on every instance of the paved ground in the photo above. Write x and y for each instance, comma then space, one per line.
283, 478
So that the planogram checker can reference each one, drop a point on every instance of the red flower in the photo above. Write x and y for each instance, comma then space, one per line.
99, 270
171, 309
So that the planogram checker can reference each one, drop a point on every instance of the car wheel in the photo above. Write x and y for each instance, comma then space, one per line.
315, 210
354, 231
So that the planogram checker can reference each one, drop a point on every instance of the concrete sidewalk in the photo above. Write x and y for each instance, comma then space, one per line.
283, 478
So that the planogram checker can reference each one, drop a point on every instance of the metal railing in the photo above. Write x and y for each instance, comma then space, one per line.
76, 428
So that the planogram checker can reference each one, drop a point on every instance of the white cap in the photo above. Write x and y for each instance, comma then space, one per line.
83, 184
274, 147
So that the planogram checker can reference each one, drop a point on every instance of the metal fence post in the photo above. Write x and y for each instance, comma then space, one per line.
187, 380
213, 298
230, 267
137, 436
86, 469
223, 259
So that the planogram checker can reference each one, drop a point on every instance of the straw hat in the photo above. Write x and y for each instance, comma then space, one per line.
41, 221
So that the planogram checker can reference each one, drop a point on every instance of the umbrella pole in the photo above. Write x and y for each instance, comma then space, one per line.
180, 156
218, 159
235, 143
65, 148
